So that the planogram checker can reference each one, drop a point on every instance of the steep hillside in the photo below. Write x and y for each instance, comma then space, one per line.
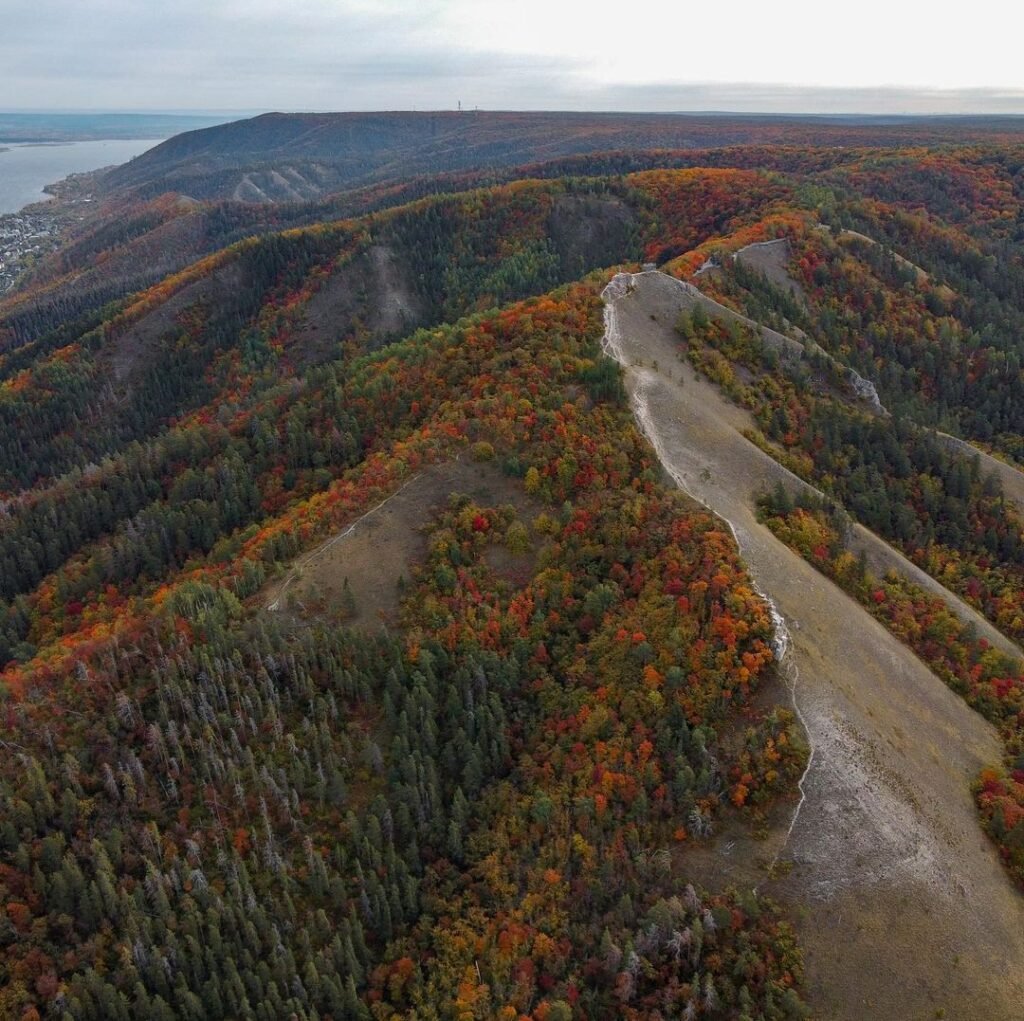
362, 658
245, 320
407, 800
136, 235
285, 157
886, 817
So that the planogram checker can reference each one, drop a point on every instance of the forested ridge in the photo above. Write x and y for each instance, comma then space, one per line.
266, 821
485, 806
931, 324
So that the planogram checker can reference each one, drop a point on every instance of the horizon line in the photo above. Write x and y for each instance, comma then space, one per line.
708, 112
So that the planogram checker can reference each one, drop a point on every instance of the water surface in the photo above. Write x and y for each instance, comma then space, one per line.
26, 169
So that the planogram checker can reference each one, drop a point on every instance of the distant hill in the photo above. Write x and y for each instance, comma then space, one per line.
280, 157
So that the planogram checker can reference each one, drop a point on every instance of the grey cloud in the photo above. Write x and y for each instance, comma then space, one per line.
265, 54
194, 54
780, 98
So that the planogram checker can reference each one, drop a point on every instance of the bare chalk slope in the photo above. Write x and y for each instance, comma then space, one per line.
900, 901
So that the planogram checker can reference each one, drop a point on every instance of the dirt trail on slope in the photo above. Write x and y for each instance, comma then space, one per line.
922, 275
881, 557
900, 902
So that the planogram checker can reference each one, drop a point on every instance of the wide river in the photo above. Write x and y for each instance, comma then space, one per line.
26, 169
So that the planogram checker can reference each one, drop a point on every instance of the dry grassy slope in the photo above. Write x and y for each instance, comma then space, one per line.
388, 542
901, 903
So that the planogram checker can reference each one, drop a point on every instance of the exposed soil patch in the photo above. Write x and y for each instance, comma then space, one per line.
513, 567
130, 350
355, 576
899, 899
589, 230
371, 292
772, 259
282, 183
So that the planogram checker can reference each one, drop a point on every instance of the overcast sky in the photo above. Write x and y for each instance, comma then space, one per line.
770, 55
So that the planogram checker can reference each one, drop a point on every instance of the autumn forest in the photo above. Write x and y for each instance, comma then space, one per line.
360, 658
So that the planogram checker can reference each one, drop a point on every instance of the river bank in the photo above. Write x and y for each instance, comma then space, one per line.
26, 170
45, 189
